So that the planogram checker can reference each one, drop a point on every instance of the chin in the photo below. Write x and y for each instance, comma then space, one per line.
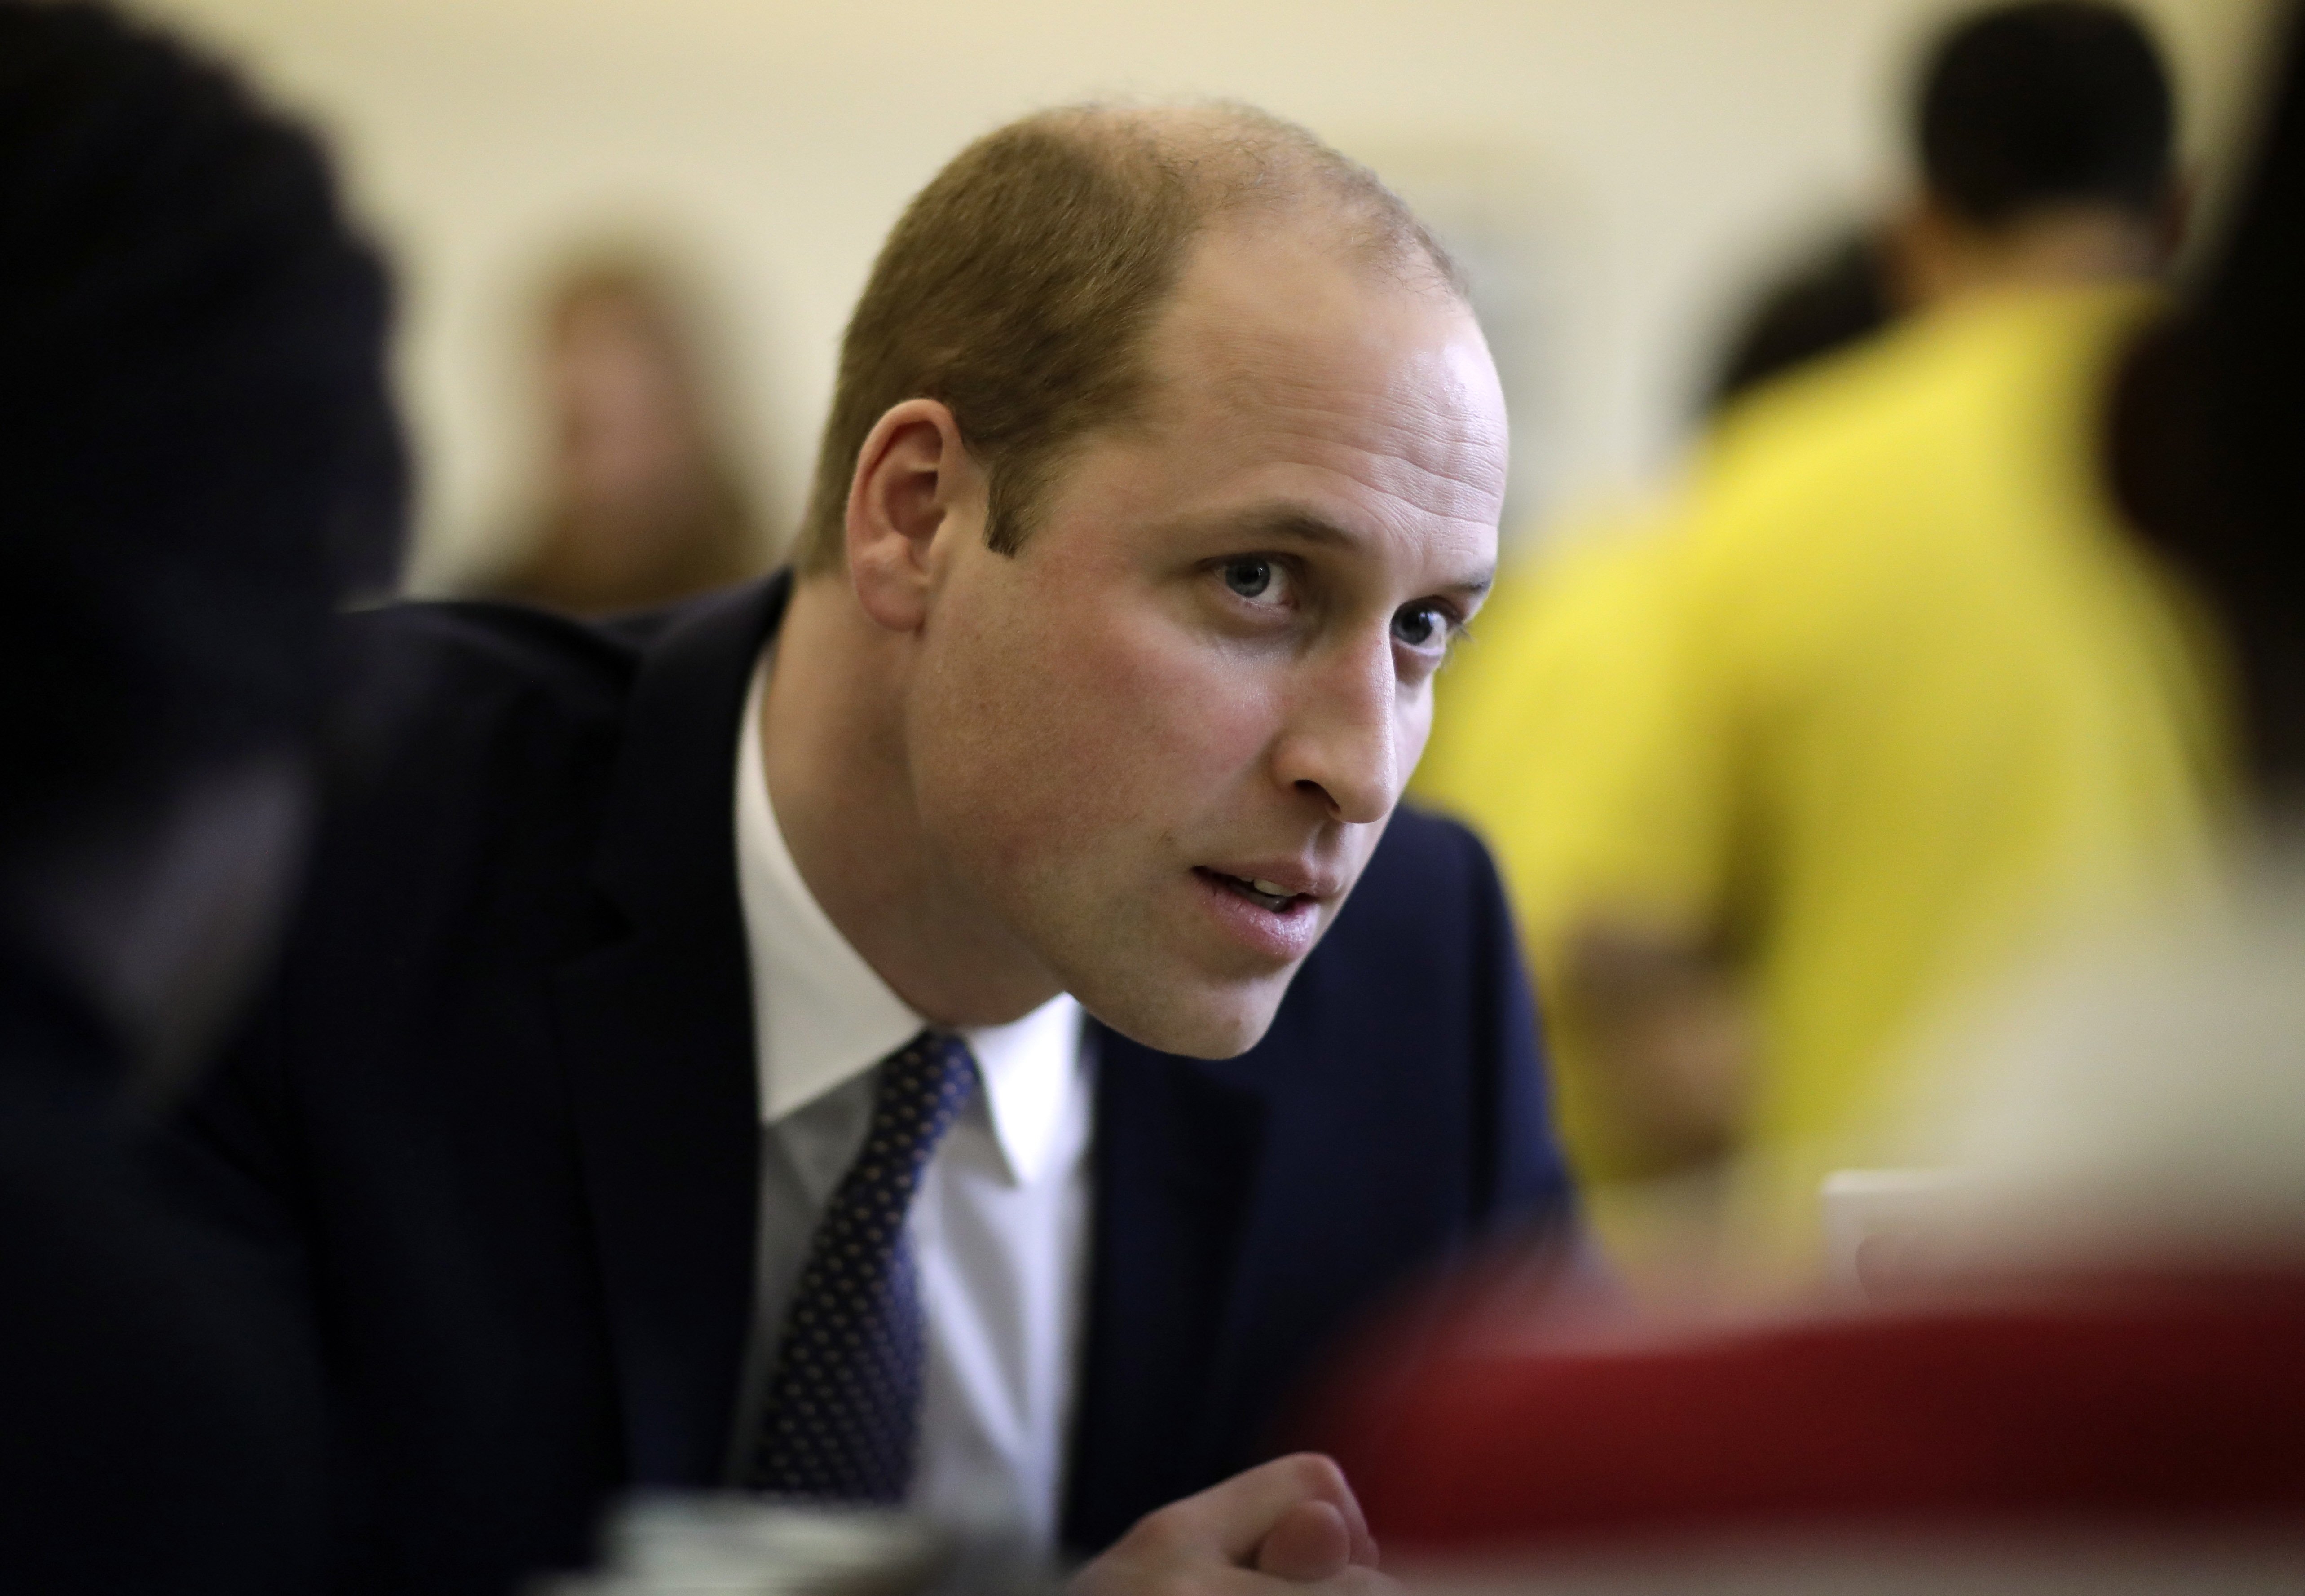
1195, 1017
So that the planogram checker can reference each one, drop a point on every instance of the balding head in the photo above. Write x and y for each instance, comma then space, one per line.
1019, 288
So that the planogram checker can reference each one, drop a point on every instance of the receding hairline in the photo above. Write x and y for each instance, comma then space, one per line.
1242, 170
1230, 160
1021, 285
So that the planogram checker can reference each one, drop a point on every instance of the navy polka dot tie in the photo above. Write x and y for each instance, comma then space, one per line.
844, 1404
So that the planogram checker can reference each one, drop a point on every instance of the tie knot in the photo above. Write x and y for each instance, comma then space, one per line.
921, 1088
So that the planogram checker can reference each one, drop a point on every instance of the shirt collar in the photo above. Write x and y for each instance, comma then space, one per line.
822, 1016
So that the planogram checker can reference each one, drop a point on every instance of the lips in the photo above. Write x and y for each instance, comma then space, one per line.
1275, 885
1264, 893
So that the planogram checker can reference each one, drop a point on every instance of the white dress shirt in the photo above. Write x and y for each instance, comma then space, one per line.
999, 1225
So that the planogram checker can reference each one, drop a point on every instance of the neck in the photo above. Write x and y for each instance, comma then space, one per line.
1945, 259
840, 784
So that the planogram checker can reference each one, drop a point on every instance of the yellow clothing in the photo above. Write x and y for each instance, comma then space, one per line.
1539, 739
1891, 702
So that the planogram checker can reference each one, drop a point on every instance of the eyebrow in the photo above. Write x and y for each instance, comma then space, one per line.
1290, 523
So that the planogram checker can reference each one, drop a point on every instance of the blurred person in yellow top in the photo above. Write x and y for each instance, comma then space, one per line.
1888, 700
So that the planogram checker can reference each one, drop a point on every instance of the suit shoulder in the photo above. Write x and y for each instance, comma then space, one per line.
421, 661
482, 638
435, 699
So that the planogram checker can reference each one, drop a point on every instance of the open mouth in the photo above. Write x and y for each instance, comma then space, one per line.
1265, 895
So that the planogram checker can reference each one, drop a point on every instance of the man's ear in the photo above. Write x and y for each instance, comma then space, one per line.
914, 480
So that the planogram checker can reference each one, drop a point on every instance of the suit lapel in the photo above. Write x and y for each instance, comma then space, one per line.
1180, 1156
656, 1031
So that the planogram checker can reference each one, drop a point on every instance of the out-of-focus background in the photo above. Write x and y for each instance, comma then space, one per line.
1617, 176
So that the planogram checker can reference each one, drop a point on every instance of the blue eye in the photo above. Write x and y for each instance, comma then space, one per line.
1251, 579
1419, 625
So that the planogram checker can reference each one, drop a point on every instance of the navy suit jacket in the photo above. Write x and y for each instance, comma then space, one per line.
495, 1127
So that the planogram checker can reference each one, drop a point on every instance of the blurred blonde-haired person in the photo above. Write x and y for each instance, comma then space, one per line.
642, 503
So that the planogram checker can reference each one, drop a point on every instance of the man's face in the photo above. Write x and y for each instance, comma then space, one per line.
1163, 739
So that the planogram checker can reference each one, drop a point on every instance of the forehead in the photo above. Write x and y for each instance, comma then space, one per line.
1283, 354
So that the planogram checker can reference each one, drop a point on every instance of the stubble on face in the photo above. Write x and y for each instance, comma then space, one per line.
1108, 740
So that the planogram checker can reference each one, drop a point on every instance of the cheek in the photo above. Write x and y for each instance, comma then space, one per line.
1415, 729
1159, 712
1087, 734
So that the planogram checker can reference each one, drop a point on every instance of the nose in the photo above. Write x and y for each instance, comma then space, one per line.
1342, 740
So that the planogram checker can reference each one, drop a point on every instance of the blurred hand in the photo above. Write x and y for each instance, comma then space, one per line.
1671, 1037
1292, 1522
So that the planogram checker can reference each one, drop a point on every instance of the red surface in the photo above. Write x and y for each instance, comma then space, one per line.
2177, 1405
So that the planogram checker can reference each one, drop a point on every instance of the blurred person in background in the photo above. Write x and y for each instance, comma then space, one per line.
641, 503
197, 459
2044, 133
2083, 1373
1891, 698
2041, 137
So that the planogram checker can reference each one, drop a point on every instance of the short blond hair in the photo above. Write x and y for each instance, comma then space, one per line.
1019, 286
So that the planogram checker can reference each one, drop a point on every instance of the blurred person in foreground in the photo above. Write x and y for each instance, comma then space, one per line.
2081, 1371
197, 459
640, 505
1893, 697
897, 1033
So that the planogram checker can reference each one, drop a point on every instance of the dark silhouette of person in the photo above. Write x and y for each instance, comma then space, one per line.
197, 458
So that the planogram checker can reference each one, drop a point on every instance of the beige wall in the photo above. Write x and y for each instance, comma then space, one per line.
1612, 166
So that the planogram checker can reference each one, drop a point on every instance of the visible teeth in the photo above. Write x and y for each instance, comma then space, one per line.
1270, 888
